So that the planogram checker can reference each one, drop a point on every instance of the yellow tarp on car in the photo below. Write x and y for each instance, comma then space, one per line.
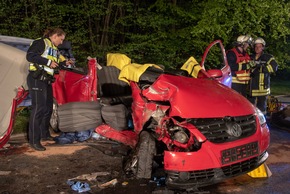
192, 67
118, 60
129, 71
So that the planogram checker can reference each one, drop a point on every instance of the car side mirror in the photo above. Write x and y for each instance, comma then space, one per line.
215, 73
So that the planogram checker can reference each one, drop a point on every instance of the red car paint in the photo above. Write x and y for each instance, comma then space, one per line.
204, 107
20, 96
226, 78
76, 86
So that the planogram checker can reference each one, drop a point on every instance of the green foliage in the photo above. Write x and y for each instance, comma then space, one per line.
22, 120
161, 31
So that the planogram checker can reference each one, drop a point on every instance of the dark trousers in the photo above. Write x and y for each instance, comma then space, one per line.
241, 88
42, 105
260, 102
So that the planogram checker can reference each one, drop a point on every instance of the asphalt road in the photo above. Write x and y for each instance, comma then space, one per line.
284, 99
278, 163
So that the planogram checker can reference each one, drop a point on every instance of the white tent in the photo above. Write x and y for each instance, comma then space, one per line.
13, 72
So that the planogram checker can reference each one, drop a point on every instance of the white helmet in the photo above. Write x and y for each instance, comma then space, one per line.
260, 41
244, 39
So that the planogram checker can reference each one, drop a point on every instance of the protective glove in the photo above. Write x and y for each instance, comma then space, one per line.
251, 64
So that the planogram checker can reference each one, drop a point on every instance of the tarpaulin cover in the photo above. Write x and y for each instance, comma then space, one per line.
192, 67
129, 71
118, 60
13, 73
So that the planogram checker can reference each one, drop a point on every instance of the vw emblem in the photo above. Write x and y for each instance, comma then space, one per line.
234, 129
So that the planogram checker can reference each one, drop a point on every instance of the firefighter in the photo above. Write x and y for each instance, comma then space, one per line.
239, 61
265, 65
43, 57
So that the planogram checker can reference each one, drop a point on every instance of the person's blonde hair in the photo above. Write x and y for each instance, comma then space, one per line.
51, 31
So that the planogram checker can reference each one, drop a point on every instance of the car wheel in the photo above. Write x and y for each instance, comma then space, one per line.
140, 162
54, 117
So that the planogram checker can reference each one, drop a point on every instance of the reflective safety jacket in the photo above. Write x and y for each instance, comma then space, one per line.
260, 76
238, 61
42, 52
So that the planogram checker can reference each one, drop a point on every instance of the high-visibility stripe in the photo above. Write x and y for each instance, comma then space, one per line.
260, 92
235, 80
50, 53
261, 82
243, 75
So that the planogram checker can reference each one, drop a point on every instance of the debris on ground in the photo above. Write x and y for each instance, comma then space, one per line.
91, 176
3, 173
78, 186
109, 183
125, 183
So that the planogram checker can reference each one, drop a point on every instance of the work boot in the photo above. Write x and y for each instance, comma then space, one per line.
38, 147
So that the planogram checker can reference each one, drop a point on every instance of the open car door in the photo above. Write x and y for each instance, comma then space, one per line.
214, 61
13, 72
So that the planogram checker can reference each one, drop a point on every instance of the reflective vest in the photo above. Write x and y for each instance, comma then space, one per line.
51, 53
242, 76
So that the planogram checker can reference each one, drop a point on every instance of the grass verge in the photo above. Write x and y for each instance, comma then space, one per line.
280, 87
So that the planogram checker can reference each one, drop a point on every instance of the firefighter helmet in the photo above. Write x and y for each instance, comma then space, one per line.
241, 40
260, 41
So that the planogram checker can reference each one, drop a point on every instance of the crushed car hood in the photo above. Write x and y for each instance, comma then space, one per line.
198, 98
13, 72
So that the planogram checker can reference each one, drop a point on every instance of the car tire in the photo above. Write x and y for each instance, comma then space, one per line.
146, 152
139, 163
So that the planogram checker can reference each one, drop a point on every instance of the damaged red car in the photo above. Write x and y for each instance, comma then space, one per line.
189, 122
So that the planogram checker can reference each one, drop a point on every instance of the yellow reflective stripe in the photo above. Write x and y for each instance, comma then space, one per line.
243, 75
62, 58
261, 92
46, 50
261, 82
235, 80
48, 70
50, 51
241, 64
270, 69
32, 67
269, 66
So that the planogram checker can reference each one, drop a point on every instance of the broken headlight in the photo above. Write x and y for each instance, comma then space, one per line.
179, 134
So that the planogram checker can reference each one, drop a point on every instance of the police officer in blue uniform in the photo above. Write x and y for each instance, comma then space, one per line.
43, 56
